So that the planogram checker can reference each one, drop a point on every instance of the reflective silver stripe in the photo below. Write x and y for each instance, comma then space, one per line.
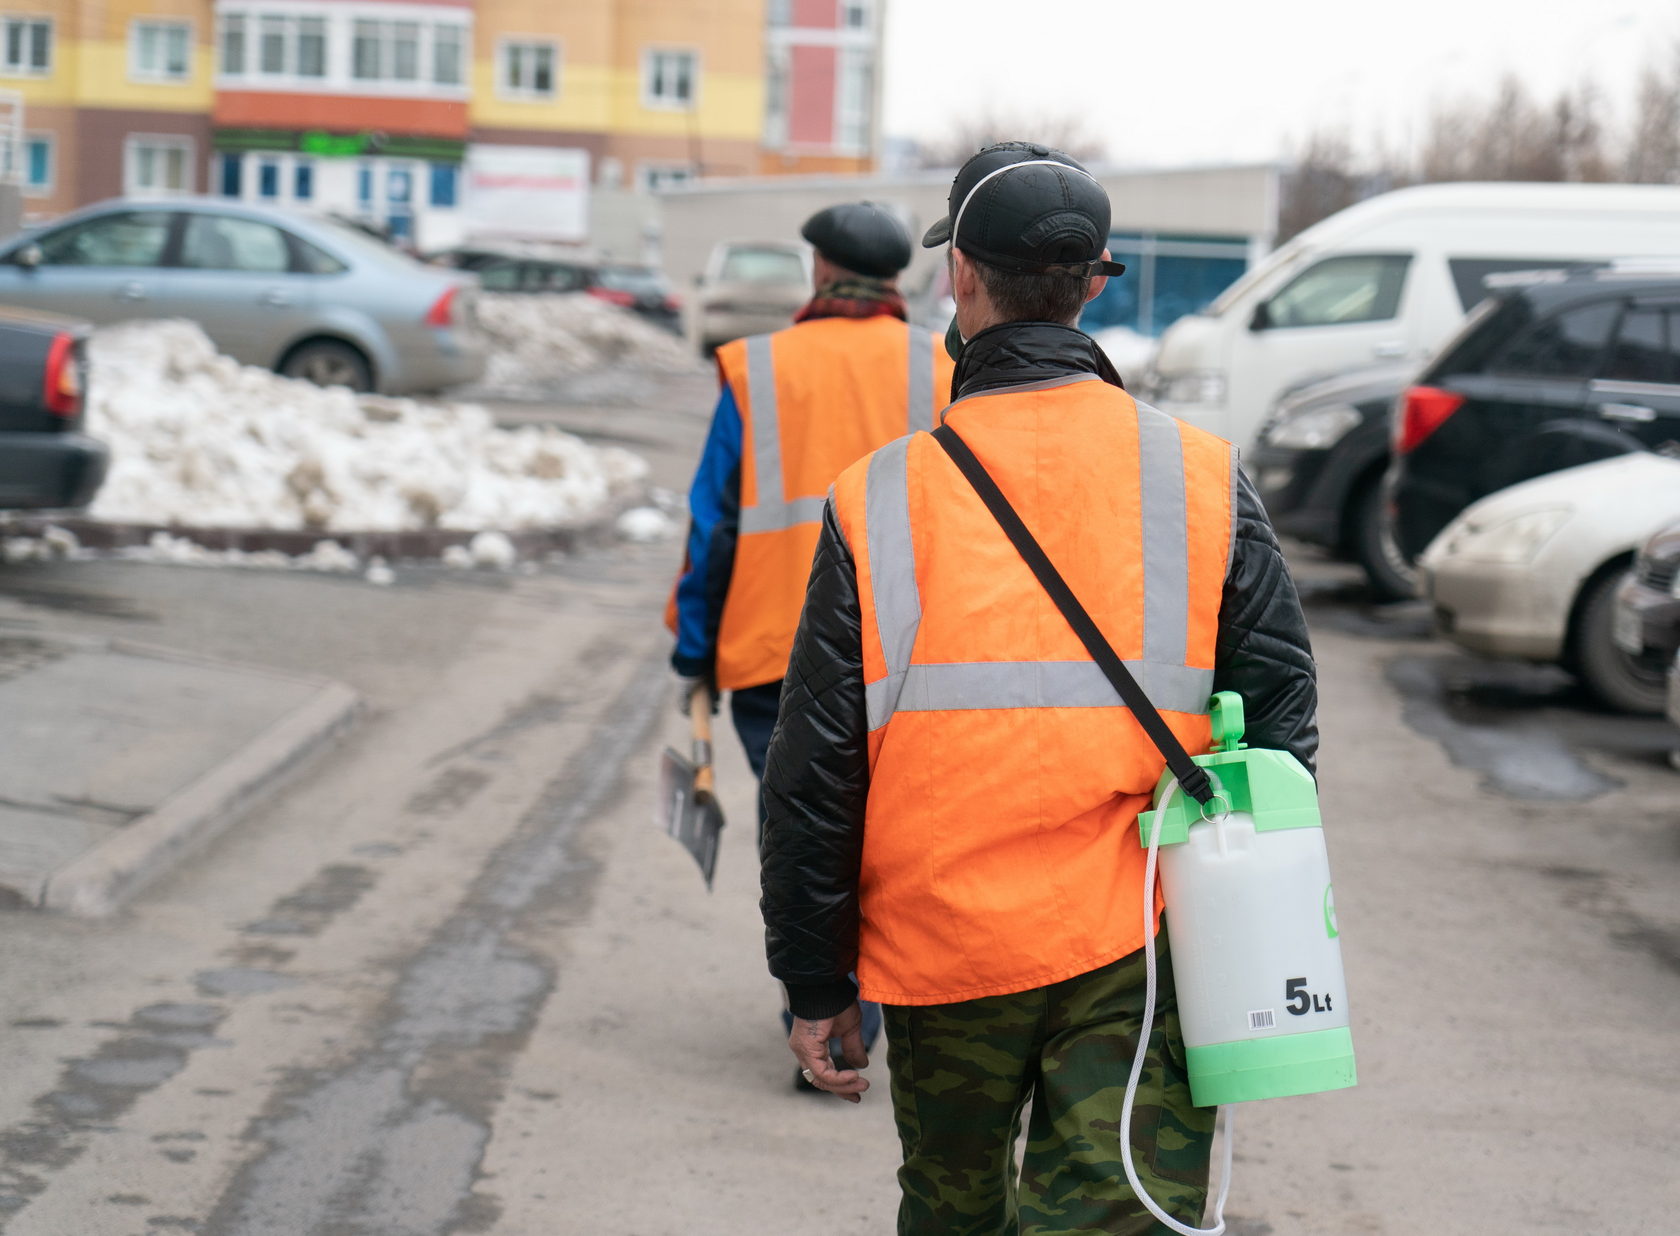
973, 685
762, 518
921, 380
892, 567
1048, 384
766, 427
1166, 539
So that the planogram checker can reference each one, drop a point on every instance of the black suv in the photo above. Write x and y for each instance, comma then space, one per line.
1552, 370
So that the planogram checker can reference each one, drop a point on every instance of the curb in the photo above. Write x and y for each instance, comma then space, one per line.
392, 546
98, 881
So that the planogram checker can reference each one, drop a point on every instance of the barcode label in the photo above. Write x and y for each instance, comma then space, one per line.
1262, 1019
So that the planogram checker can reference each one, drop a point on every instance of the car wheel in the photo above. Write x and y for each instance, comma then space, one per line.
1616, 678
1391, 577
326, 362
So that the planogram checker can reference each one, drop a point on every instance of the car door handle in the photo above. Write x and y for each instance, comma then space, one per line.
1627, 412
132, 291
1394, 348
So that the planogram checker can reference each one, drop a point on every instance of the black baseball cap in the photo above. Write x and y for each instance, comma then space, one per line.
1027, 208
865, 237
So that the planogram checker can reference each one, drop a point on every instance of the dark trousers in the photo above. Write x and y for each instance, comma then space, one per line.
753, 709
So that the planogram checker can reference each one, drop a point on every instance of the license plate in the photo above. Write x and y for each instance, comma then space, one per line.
1628, 631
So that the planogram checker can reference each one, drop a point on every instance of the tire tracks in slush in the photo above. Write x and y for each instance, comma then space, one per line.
391, 1142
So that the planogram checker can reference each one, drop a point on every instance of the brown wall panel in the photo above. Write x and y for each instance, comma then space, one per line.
101, 133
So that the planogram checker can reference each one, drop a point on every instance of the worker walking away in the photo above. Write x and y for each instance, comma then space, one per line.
953, 791
795, 408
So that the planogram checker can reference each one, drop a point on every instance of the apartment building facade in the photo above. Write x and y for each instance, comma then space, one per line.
434, 118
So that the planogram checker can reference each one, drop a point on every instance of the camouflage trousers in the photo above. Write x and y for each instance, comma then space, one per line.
962, 1074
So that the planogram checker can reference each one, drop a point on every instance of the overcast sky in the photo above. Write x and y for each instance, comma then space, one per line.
1178, 81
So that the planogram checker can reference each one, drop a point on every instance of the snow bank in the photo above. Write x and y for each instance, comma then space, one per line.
198, 439
539, 340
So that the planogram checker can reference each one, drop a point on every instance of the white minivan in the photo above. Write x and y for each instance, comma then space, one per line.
1384, 281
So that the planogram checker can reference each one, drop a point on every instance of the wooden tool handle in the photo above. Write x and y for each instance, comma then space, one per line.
700, 723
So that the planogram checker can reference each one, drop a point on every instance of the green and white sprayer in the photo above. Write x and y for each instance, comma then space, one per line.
1257, 959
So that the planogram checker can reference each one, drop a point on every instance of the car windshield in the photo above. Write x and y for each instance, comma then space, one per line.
631, 279
763, 266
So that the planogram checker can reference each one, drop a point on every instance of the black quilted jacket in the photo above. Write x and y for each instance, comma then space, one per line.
817, 778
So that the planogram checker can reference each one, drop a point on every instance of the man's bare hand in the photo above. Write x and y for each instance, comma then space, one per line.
809, 1042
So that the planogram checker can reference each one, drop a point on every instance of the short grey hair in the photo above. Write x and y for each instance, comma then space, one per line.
1033, 298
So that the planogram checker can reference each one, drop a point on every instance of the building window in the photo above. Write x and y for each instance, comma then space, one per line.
232, 42
447, 46
405, 51
303, 180
368, 51
854, 14
37, 171
232, 178
668, 78
271, 45
26, 45
528, 69
855, 103
286, 45
311, 47
364, 186
160, 51
445, 180
268, 179
157, 166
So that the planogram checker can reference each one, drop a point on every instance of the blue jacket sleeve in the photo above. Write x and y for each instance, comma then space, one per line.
714, 502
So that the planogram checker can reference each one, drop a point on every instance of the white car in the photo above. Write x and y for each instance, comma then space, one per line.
1531, 572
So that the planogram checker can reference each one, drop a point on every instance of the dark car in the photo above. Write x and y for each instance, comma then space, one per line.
1319, 466
1647, 616
640, 289
1548, 373
46, 461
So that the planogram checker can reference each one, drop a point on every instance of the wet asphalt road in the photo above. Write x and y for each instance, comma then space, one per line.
452, 980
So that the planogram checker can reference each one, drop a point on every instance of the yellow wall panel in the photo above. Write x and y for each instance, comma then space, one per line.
582, 102
730, 105
103, 81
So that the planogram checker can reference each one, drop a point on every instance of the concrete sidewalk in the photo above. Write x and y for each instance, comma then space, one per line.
117, 758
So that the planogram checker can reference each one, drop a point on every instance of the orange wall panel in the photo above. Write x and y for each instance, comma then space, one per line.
340, 113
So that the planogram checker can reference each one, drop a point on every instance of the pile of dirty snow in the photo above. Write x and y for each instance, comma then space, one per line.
541, 339
198, 439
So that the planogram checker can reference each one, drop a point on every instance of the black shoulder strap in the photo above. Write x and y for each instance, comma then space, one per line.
1191, 776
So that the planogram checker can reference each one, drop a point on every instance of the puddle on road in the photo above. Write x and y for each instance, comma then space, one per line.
153, 1046
240, 981
1483, 716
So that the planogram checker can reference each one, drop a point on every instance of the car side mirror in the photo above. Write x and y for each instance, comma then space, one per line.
1262, 319
28, 257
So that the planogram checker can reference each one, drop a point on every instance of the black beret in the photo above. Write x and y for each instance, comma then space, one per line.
864, 237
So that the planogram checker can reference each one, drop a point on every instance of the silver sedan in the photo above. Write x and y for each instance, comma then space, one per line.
304, 296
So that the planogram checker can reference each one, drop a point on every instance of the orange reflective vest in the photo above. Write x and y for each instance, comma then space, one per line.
813, 398
1006, 776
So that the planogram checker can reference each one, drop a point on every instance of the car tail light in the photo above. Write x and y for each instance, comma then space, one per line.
62, 384
1423, 410
674, 304
613, 296
442, 312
